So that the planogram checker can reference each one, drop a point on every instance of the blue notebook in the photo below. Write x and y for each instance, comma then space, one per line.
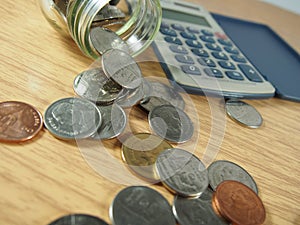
278, 62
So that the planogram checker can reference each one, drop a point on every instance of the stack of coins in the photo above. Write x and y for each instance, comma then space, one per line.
104, 92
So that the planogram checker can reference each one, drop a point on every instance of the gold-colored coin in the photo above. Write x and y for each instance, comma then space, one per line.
140, 152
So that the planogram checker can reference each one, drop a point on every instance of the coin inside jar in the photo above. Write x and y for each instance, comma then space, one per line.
19, 121
243, 113
238, 204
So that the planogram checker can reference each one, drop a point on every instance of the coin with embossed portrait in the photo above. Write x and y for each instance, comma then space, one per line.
140, 151
94, 85
162, 94
122, 68
221, 170
104, 39
72, 118
195, 211
113, 122
78, 219
182, 172
136, 205
19, 121
171, 123
243, 113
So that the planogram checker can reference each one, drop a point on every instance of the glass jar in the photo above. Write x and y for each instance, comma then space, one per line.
136, 21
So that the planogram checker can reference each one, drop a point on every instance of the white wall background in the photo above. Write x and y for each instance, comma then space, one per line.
291, 5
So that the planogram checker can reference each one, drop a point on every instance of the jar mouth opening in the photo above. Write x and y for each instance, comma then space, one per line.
135, 21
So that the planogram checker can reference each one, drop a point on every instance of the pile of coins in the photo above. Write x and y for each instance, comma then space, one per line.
224, 193
105, 90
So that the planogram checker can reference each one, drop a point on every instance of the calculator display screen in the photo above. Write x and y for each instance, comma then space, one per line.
185, 17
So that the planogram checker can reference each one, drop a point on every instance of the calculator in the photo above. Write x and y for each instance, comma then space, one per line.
196, 54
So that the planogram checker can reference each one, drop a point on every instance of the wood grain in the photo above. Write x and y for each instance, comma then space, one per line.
45, 178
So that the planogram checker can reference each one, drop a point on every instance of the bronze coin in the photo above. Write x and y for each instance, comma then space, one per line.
140, 152
238, 204
19, 121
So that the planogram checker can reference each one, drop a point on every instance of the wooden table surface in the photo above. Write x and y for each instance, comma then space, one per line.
45, 178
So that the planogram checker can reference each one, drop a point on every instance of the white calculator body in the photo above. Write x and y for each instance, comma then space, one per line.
195, 52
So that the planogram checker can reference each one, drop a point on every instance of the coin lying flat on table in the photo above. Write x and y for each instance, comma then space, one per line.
195, 211
182, 172
122, 68
171, 123
72, 118
78, 219
104, 39
19, 121
238, 204
94, 85
138, 205
162, 94
140, 152
113, 122
243, 113
221, 170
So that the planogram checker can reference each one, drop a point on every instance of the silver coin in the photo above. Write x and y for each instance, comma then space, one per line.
182, 172
162, 94
131, 97
138, 205
221, 170
243, 113
113, 122
93, 85
195, 211
109, 12
78, 219
104, 39
171, 123
122, 68
72, 118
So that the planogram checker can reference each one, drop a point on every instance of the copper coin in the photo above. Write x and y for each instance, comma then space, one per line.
238, 204
19, 121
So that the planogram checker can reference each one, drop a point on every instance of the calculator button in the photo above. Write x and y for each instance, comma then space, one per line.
207, 32
235, 75
178, 49
193, 30
213, 72
207, 62
164, 25
168, 31
173, 40
200, 52
225, 42
188, 35
177, 27
239, 58
194, 43
184, 59
227, 65
220, 35
207, 39
250, 73
213, 46
190, 69
220, 55
231, 50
